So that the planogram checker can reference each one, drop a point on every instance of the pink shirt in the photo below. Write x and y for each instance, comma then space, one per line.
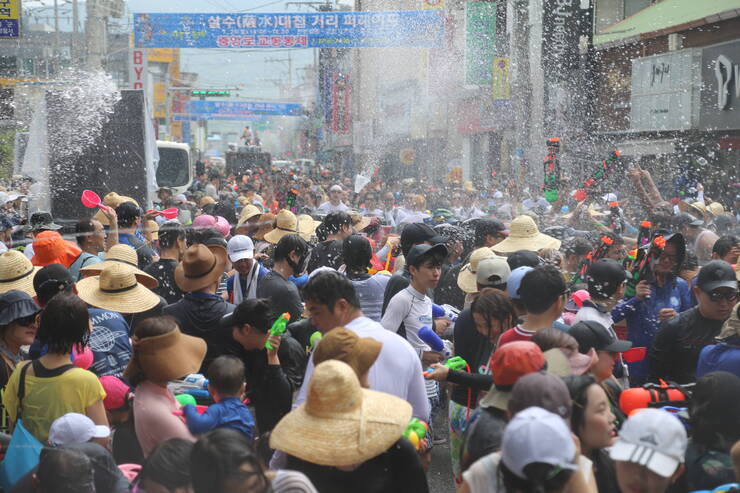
153, 406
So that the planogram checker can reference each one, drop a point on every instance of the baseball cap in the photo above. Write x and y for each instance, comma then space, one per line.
515, 280
414, 258
542, 390
684, 219
416, 233
336, 188
604, 277
576, 299
716, 274
508, 364
116, 392
492, 271
75, 428
653, 438
240, 247
522, 258
537, 435
590, 334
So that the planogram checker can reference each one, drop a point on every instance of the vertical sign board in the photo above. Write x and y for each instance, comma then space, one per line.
720, 94
137, 69
10, 19
480, 41
500, 83
340, 104
561, 30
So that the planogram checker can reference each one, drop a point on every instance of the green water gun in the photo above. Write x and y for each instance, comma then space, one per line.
454, 363
315, 339
278, 328
416, 431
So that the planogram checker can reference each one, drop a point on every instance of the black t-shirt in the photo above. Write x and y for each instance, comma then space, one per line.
283, 295
163, 270
476, 350
398, 469
326, 254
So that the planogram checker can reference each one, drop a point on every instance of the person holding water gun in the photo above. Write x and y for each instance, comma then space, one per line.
658, 296
274, 362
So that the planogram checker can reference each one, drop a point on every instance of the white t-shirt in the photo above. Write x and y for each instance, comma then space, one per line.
590, 313
397, 371
328, 207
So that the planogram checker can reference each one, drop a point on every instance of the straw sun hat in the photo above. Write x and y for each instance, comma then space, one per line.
341, 424
121, 254
286, 223
117, 289
307, 226
16, 272
466, 279
248, 213
112, 200
201, 266
524, 235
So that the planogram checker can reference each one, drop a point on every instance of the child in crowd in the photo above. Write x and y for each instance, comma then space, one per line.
226, 386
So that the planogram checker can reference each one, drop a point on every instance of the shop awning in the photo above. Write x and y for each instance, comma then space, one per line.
666, 17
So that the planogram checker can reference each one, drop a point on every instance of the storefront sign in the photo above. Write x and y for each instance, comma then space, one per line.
10, 19
720, 97
500, 85
235, 110
417, 28
480, 41
137, 71
665, 91
561, 31
340, 115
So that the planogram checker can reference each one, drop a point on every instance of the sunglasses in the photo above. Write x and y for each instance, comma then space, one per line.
718, 296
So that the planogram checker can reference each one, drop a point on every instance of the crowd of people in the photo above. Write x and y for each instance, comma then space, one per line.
288, 333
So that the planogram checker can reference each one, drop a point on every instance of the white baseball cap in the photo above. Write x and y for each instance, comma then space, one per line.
240, 247
537, 435
75, 428
652, 438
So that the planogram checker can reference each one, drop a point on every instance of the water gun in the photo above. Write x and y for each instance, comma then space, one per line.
642, 266
315, 339
607, 166
599, 252
290, 201
185, 399
552, 170
445, 311
456, 363
643, 235
615, 220
278, 328
653, 395
435, 342
416, 431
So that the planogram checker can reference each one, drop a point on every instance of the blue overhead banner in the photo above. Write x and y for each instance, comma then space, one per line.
235, 110
410, 28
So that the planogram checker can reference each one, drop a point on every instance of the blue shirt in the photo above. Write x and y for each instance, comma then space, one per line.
109, 342
230, 412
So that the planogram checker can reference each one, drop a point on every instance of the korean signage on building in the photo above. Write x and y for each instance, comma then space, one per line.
10, 19
561, 31
340, 115
480, 41
665, 91
420, 28
720, 97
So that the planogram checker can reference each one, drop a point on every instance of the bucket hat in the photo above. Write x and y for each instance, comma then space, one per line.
41, 221
16, 272
524, 235
123, 254
341, 424
15, 305
466, 279
50, 248
201, 266
165, 357
285, 223
117, 289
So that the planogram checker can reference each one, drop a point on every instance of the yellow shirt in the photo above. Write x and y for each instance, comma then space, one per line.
47, 399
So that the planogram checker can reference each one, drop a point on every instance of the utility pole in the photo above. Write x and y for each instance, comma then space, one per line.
95, 32
74, 46
56, 36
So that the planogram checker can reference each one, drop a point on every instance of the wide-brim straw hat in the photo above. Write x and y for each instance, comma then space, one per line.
122, 254
16, 272
266, 224
307, 226
524, 235
466, 279
166, 357
715, 208
359, 222
112, 200
117, 289
591, 211
201, 266
341, 424
249, 211
285, 224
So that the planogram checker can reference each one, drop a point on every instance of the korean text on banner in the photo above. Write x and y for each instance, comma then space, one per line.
10, 19
235, 110
480, 42
413, 28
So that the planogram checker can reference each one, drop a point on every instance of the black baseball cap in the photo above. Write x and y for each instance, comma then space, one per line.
419, 252
716, 274
604, 277
685, 219
590, 334
416, 233
523, 258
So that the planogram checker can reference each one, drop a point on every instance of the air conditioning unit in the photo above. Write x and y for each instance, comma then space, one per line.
675, 42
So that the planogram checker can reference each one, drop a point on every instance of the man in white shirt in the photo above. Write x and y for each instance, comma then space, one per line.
335, 203
332, 302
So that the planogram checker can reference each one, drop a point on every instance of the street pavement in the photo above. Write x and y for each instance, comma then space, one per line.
440, 472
